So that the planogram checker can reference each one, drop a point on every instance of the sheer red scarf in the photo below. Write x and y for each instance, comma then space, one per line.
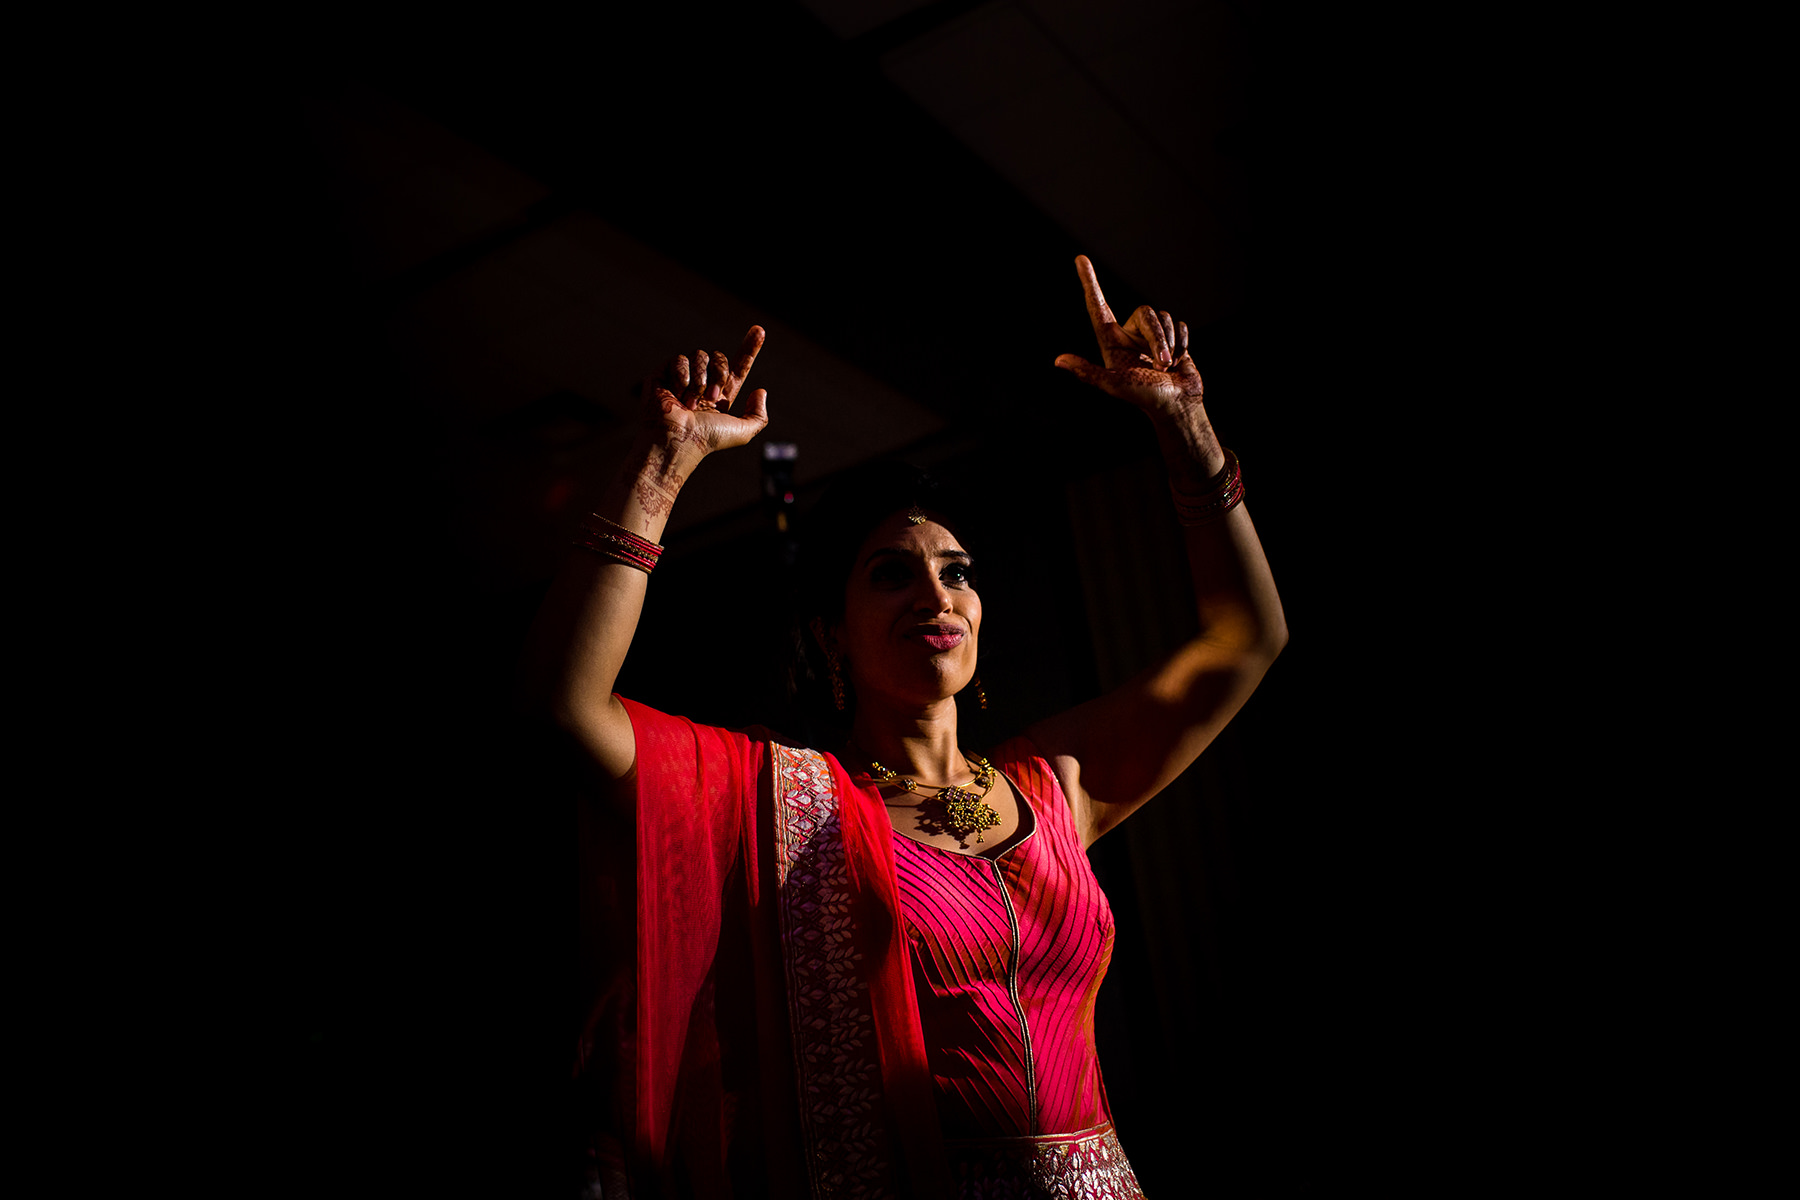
764, 1027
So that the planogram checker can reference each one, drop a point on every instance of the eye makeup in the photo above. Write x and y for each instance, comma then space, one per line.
893, 564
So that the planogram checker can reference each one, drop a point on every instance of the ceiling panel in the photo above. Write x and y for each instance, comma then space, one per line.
565, 307
1008, 90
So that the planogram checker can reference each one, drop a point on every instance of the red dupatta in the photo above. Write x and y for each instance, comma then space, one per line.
767, 912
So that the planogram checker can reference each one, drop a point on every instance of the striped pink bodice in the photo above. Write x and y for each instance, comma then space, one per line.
1007, 955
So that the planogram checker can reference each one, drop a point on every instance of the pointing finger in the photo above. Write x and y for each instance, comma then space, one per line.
1098, 313
747, 352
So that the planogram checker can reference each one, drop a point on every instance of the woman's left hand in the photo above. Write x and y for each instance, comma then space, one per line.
1146, 358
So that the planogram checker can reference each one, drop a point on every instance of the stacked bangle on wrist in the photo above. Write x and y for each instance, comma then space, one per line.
1225, 491
610, 540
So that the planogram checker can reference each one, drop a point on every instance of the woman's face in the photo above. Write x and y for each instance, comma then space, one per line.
911, 616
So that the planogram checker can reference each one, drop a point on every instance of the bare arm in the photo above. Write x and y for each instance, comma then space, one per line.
587, 622
1115, 752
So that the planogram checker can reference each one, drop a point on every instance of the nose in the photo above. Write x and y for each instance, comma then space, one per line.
935, 598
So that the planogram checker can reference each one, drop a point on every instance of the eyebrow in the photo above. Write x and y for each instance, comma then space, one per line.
897, 552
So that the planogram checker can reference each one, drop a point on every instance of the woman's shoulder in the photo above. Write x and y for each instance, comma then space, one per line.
683, 744
1020, 761
648, 721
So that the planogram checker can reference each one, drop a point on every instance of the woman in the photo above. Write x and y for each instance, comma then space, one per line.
871, 972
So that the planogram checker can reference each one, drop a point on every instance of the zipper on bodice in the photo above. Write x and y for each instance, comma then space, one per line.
1012, 988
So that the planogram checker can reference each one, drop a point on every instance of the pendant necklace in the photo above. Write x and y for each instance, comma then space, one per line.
964, 812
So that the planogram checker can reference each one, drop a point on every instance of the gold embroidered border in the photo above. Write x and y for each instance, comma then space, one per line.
833, 1021
1089, 1165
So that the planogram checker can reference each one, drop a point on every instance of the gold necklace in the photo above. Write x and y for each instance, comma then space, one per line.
965, 812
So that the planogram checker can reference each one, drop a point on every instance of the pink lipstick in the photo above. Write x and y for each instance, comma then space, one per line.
942, 641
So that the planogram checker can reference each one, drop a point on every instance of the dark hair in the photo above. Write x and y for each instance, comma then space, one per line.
830, 535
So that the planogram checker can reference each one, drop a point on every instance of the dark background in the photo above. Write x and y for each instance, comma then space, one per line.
444, 251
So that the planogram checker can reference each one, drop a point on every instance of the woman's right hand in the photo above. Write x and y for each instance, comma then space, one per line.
690, 404
686, 417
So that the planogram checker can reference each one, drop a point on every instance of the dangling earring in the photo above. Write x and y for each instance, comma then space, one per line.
831, 663
980, 696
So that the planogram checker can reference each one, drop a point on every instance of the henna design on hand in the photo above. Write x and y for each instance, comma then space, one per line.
686, 413
675, 436
723, 386
1146, 360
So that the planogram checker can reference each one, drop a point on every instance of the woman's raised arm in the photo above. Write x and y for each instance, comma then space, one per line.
587, 622
1115, 752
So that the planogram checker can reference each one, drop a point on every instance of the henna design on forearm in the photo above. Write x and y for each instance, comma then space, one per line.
1189, 449
654, 500
657, 482
662, 474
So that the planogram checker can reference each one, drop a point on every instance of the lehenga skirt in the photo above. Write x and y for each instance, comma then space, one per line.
1067, 1166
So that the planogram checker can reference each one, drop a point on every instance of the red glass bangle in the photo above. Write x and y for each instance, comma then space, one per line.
612, 540
1218, 500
